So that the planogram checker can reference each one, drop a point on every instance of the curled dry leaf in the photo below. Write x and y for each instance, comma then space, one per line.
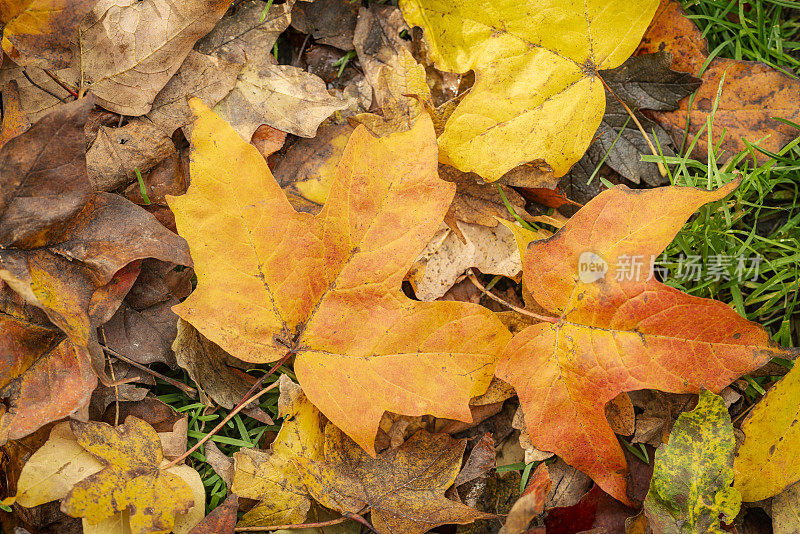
38, 32
131, 49
691, 484
767, 463
274, 478
403, 487
116, 153
327, 288
390, 69
35, 359
446, 257
479, 203
537, 94
218, 374
614, 334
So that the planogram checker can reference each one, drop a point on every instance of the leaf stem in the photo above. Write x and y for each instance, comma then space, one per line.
476, 283
63, 85
661, 168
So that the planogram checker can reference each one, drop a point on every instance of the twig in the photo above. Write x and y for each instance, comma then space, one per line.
222, 423
300, 52
186, 389
82, 88
338, 520
63, 85
476, 283
661, 169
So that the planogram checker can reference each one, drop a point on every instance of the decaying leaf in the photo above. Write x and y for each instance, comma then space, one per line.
752, 94
247, 36
403, 487
64, 247
38, 362
786, 511
131, 49
209, 78
617, 330
130, 478
326, 289
537, 94
15, 120
330, 22
221, 520
530, 502
38, 32
691, 484
307, 168
642, 82
767, 462
390, 69
672, 32
282, 96
274, 478
214, 370
117, 153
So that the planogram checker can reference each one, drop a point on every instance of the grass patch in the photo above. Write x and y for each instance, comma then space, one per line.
753, 30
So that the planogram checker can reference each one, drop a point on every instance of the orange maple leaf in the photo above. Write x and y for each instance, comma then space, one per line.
616, 335
275, 283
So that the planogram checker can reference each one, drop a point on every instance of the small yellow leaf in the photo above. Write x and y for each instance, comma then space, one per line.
52, 470
131, 478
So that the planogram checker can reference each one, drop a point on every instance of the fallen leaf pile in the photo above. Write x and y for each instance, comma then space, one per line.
203, 200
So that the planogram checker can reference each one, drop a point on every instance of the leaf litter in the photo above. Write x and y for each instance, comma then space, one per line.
200, 201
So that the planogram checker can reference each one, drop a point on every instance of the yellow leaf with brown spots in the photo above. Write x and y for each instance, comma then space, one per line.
130, 479
767, 462
274, 283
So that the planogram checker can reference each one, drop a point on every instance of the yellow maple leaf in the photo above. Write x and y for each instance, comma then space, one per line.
274, 283
537, 94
